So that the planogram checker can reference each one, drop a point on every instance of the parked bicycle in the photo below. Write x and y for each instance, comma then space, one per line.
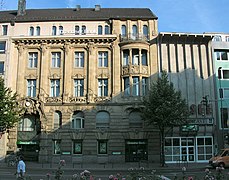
13, 160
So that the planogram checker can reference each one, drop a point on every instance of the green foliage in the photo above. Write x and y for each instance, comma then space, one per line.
164, 106
10, 109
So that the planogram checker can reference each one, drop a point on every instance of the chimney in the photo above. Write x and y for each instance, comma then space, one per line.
78, 7
21, 7
97, 7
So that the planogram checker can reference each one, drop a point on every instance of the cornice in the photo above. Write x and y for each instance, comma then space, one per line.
63, 40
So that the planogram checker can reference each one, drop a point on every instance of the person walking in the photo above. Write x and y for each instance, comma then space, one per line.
21, 168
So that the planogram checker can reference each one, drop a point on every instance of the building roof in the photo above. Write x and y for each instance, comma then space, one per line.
69, 14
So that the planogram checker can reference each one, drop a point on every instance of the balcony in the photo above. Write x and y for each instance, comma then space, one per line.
134, 37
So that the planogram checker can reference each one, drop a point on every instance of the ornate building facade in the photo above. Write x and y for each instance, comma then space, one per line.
81, 75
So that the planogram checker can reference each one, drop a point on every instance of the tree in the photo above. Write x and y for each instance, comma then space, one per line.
164, 108
10, 109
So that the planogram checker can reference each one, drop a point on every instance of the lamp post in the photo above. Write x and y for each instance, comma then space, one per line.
221, 102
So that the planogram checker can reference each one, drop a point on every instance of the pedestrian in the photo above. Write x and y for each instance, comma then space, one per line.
21, 168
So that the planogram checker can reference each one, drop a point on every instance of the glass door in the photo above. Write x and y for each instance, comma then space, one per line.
187, 149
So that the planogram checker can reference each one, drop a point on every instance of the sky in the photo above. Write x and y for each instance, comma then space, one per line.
181, 16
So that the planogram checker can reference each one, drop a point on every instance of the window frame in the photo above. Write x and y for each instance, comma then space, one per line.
5, 30
54, 87
103, 87
31, 87
2, 67
103, 59
56, 59
79, 59
79, 142
57, 147
27, 124
31, 31
105, 145
2, 47
78, 87
32, 59
77, 119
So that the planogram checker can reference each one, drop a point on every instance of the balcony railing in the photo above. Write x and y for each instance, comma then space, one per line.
134, 37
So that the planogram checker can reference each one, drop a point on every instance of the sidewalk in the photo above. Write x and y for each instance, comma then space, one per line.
123, 166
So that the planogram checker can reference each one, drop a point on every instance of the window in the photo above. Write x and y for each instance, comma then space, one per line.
4, 30
221, 55
78, 120
144, 86
27, 123
83, 30
79, 59
77, 146
125, 57
38, 31
57, 119
135, 57
56, 59
126, 86
123, 30
135, 119
134, 32
144, 57
55, 88
102, 146
103, 59
102, 87
225, 94
224, 117
31, 31
135, 90
145, 31
54, 30
102, 119
1, 67
227, 38
217, 38
225, 74
2, 47
107, 29
78, 87
31, 87
77, 30
61, 30
100, 30
56, 146
204, 148
33, 57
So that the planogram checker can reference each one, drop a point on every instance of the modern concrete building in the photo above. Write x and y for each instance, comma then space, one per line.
187, 59
81, 75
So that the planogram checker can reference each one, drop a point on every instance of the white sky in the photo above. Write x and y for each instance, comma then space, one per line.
191, 16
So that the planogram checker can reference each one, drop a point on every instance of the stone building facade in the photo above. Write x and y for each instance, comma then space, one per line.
81, 75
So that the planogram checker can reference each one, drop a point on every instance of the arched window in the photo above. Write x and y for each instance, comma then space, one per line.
54, 29
217, 38
134, 31
27, 123
135, 119
61, 30
102, 119
57, 119
38, 31
78, 120
145, 31
107, 29
100, 30
31, 31
84, 29
77, 30
123, 31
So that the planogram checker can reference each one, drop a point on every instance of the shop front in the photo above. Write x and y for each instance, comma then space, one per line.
188, 149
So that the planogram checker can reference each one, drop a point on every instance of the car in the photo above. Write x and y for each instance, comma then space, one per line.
221, 159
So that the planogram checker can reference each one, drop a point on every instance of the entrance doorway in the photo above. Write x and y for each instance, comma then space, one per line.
187, 149
136, 150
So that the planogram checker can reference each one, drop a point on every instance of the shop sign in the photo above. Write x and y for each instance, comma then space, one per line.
26, 142
189, 128
66, 153
201, 121
116, 153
